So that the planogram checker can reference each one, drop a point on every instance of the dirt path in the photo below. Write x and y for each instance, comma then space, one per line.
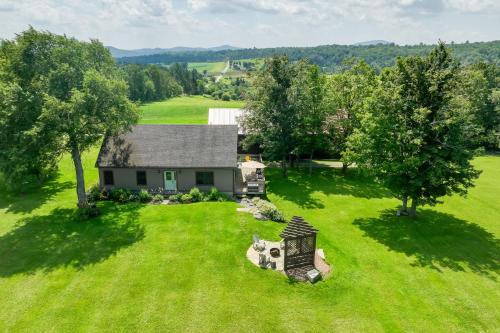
224, 71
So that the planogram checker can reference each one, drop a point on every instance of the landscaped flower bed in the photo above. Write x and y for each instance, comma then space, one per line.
123, 195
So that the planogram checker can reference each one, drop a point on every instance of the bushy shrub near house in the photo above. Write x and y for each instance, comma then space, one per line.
157, 198
95, 194
186, 198
215, 195
268, 209
175, 197
196, 195
121, 195
144, 196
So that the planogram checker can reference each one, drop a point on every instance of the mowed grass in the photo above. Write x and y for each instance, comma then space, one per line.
183, 268
183, 110
210, 67
155, 268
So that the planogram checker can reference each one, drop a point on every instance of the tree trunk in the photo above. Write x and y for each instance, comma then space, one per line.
80, 181
311, 163
413, 209
344, 168
283, 165
404, 207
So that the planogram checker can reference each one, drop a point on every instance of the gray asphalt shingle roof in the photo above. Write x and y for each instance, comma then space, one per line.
173, 146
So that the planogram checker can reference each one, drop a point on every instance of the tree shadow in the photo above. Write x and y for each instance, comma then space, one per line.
436, 240
34, 197
44, 243
299, 186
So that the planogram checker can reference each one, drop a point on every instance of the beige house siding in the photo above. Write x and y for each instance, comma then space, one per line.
186, 178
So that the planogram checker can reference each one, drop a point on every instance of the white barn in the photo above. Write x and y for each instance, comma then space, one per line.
225, 116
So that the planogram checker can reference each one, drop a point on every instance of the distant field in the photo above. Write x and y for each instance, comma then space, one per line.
183, 110
210, 67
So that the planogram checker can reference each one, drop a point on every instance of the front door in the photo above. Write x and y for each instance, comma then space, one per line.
170, 181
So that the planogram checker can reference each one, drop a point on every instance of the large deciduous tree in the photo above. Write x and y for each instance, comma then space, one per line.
346, 94
63, 95
272, 115
308, 94
480, 82
417, 130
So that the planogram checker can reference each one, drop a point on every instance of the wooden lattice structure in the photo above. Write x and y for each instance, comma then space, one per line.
300, 244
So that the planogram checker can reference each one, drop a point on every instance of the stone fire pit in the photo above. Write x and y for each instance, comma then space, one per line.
274, 252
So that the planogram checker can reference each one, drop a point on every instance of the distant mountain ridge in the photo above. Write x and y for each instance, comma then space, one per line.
373, 42
119, 53
330, 57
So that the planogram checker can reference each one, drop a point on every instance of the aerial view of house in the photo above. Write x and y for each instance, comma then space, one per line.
177, 158
172, 157
335, 168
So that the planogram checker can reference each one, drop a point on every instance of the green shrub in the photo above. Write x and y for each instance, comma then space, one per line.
186, 198
268, 210
215, 195
175, 197
144, 196
196, 195
134, 197
121, 195
94, 194
157, 198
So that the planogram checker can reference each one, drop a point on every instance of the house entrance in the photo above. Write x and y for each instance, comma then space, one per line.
170, 181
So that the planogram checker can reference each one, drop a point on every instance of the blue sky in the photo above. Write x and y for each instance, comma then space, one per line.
166, 23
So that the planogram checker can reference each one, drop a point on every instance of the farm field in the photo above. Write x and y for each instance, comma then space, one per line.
183, 268
210, 67
183, 110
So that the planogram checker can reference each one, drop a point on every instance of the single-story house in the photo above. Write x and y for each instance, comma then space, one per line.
171, 158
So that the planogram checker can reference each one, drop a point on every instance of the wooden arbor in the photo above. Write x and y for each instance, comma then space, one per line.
300, 244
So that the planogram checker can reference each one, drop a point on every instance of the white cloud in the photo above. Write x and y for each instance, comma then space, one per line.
142, 23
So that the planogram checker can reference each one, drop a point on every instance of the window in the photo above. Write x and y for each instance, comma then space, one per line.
141, 178
205, 178
108, 177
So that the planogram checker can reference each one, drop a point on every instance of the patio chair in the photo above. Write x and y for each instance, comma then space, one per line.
258, 244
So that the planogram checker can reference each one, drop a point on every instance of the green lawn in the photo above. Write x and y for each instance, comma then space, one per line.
210, 67
183, 110
157, 268
183, 268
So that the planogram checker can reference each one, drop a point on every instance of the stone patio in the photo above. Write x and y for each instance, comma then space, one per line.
320, 264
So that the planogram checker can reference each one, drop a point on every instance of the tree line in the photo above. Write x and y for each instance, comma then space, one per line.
155, 83
415, 126
330, 57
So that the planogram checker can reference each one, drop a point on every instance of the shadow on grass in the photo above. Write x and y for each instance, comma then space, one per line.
299, 186
44, 243
436, 240
33, 198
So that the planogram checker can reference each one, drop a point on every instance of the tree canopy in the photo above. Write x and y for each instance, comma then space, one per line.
417, 131
62, 95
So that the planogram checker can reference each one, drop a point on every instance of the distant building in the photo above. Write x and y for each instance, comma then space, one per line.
225, 116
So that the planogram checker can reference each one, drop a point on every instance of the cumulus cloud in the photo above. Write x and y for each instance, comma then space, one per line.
296, 21
354, 9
